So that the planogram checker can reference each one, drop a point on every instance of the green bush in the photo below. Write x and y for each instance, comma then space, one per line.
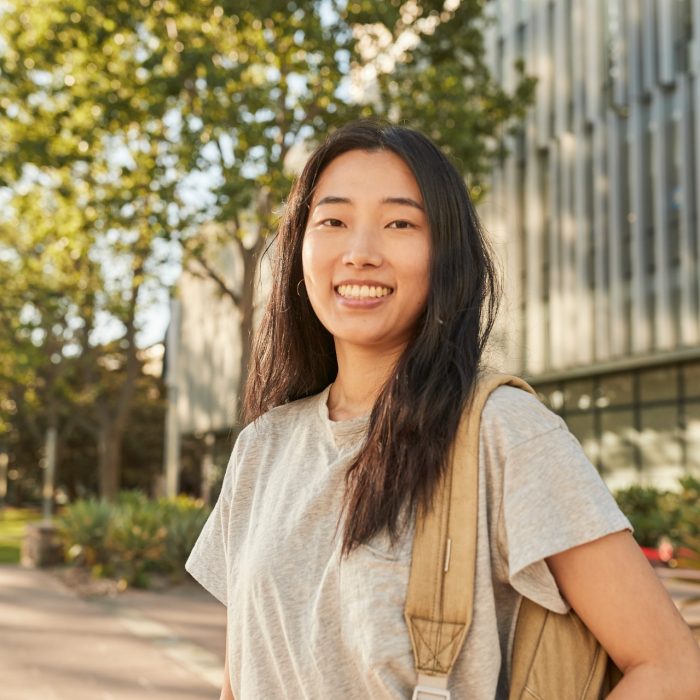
136, 540
133, 536
674, 515
83, 528
184, 519
652, 513
687, 528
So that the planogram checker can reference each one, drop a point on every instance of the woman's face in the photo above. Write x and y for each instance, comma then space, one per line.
366, 251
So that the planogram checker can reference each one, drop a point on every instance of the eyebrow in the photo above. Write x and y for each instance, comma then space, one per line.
405, 201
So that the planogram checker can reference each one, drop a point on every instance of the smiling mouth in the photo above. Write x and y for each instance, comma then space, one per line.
362, 291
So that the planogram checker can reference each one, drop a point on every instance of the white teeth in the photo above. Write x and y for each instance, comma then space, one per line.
356, 291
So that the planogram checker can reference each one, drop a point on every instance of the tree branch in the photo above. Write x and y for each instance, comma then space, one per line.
213, 275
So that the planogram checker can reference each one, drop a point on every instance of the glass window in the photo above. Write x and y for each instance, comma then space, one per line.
660, 447
614, 390
691, 379
578, 395
551, 396
692, 436
582, 426
617, 443
659, 384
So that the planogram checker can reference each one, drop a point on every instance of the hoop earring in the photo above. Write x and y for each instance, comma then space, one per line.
301, 281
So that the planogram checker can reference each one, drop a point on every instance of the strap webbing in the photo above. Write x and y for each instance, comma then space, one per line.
440, 595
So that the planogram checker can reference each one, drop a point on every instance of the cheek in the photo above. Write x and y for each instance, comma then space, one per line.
312, 262
418, 268
316, 272
305, 255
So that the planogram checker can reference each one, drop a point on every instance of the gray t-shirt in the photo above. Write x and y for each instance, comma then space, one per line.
304, 623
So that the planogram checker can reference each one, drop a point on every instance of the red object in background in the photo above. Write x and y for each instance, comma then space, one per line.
666, 555
653, 556
661, 555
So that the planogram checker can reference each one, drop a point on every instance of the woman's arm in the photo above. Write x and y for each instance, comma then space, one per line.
616, 593
226, 692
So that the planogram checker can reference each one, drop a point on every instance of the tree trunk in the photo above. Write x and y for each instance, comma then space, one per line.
113, 422
110, 453
246, 309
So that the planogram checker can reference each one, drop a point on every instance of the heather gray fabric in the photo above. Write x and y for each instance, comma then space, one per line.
304, 624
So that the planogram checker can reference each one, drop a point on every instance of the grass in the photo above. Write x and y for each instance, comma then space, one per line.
12, 524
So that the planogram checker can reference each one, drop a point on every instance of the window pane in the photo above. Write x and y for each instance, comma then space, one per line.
578, 395
617, 452
659, 384
582, 427
660, 447
614, 390
691, 379
692, 436
551, 396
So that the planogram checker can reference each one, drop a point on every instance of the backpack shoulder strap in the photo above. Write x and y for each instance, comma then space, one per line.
440, 596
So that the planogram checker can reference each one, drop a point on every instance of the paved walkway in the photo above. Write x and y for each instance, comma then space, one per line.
139, 646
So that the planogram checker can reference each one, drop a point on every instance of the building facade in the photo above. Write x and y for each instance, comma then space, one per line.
593, 211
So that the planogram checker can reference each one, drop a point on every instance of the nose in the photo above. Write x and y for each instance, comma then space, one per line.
362, 248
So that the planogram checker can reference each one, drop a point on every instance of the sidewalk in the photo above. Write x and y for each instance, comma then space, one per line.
139, 646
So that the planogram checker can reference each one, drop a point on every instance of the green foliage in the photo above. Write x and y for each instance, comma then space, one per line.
108, 109
669, 514
431, 73
13, 522
651, 512
183, 518
133, 536
136, 538
84, 527
687, 530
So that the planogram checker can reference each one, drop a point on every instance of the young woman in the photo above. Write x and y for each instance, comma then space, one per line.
383, 298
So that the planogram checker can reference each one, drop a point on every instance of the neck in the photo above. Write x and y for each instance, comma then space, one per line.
361, 376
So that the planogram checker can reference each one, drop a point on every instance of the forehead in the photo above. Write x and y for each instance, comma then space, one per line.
359, 173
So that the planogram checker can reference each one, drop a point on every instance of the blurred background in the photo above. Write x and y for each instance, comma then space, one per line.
146, 149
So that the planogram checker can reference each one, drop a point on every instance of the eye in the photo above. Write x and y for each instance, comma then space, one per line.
400, 223
333, 223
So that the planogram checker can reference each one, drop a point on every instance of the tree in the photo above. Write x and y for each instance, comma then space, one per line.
272, 79
257, 82
71, 132
423, 62
40, 324
122, 108
57, 374
126, 99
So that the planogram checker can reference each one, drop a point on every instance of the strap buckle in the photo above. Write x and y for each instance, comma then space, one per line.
426, 692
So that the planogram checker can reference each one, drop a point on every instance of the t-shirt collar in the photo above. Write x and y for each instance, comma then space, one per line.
343, 432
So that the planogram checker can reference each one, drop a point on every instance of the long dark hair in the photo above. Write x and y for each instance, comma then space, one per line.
415, 417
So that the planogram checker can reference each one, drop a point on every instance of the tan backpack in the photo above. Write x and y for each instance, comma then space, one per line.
555, 657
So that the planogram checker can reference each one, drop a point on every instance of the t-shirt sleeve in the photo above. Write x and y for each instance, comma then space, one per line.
553, 500
208, 562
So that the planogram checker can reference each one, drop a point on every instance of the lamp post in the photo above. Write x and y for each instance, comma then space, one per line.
172, 425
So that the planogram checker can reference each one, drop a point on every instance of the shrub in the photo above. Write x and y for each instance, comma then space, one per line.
673, 515
652, 513
687, 528
183, 518
83, 528
136, 540
133, 536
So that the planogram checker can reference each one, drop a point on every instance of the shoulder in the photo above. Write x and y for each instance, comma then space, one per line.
512, 417
279, 423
